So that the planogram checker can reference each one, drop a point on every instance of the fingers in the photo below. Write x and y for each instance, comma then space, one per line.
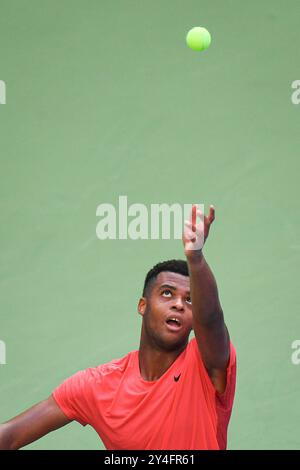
193, 239
190, 229
194, 217
192, 232
195, 234
211, 216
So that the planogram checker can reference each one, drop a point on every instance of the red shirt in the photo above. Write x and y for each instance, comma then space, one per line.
181, 410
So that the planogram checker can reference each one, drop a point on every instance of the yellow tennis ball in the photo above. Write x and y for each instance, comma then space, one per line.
198, 38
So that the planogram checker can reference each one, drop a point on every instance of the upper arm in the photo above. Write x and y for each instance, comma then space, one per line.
214, 345
32, 424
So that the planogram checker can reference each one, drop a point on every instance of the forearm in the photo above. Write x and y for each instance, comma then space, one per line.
204, 292
31, 425
5, 437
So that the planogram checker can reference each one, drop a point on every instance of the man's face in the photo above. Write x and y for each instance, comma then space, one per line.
167, 311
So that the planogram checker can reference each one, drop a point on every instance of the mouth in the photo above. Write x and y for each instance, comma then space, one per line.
173, 324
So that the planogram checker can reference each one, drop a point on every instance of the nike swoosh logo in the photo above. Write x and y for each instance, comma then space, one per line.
177, 378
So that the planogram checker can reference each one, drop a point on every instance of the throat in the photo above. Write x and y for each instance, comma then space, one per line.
153, 364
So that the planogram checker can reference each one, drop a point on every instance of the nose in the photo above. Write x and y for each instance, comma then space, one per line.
178, 305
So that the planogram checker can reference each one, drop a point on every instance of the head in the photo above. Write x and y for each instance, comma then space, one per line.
166, 295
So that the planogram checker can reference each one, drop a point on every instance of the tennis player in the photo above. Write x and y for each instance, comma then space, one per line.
172, 393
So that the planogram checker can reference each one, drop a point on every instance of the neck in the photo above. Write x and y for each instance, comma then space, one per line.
154, 362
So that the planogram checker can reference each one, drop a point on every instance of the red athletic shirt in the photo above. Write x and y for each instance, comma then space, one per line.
180, 410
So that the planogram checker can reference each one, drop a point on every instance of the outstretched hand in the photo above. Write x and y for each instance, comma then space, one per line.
195, 234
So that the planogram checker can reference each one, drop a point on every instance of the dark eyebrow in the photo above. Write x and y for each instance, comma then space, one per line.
168, 286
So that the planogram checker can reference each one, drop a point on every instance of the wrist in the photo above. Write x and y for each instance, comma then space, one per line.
194, 256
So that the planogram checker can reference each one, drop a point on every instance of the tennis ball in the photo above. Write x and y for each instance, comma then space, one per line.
198, 39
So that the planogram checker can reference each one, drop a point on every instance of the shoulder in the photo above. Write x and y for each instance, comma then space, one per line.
113, 367
194, 357
192, 349
94, 373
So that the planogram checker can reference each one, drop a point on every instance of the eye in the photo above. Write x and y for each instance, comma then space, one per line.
166, 292
188, 300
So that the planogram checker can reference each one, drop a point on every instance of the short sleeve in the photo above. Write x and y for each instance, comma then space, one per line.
220, 404
224, 400
75, 397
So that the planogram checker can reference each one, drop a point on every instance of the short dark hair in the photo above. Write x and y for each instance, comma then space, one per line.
178, 266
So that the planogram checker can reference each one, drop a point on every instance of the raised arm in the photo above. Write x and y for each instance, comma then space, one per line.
32, 424
208, 320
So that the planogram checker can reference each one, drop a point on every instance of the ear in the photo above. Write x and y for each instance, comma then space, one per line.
142, 305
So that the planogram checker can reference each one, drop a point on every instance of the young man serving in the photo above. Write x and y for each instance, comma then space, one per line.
172, 393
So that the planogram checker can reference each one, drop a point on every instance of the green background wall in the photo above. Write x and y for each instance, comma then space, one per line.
105, 99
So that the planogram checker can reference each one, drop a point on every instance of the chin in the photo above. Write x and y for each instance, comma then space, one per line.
173, 344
